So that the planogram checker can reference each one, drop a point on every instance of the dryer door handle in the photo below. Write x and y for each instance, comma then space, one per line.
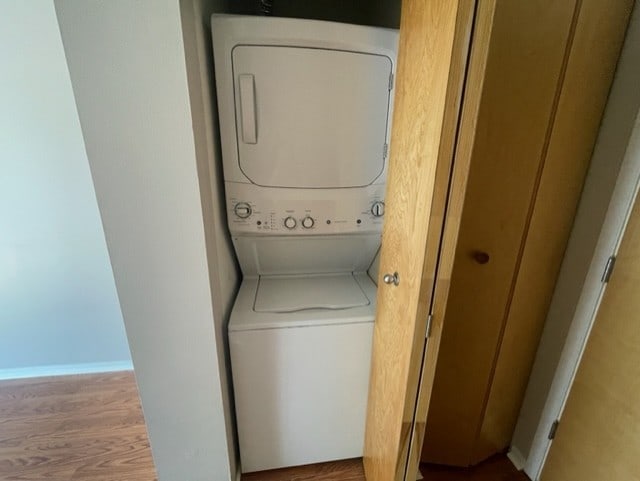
248, 108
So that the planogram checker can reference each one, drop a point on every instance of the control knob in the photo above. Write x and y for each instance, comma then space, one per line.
308, 222
242, 210
377, 209
290, 223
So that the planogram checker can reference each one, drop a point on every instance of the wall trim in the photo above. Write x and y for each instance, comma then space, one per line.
65, 370
516, 458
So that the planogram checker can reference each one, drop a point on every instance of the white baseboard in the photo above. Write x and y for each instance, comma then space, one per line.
516, 458
65, 370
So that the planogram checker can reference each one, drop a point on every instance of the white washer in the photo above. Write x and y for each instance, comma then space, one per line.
301, 377
305, 109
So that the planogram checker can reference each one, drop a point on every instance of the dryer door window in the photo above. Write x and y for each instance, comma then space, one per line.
310, 118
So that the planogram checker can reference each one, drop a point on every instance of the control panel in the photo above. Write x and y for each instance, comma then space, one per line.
258, 210
377, 209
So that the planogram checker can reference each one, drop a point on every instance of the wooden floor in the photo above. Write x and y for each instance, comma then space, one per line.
90, 428
73, 428
498, 468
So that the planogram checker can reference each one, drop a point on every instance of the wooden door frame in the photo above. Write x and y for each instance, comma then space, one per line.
622, 201
596, 435
583, 307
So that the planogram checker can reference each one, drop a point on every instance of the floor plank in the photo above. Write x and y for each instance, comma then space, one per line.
348, 470
75, 428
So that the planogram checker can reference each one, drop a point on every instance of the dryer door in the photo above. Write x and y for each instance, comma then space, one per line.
311, 118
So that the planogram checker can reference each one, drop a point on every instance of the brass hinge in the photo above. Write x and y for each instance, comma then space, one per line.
429, 322
608, 269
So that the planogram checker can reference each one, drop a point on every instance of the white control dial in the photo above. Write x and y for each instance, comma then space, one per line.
242, 210
377, 209
308, 222
290, 223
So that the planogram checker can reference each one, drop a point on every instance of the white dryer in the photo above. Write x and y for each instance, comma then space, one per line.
305, 109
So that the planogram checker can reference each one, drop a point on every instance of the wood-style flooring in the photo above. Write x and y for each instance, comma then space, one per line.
73, 428
90, 428
498, 468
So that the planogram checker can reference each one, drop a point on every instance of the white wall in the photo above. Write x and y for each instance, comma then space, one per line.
613, 139
59, 310
127, 65
223, 270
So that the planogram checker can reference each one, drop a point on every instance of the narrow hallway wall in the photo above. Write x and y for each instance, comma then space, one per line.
59, 311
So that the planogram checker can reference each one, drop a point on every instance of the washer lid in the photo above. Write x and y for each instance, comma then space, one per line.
298, 293
310, 117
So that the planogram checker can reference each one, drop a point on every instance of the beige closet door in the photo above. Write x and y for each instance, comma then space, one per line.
599, 433
434, 41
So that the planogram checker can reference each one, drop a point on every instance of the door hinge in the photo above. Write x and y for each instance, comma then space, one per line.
608, 269
385, 150
429, 323
554, 429
391, 80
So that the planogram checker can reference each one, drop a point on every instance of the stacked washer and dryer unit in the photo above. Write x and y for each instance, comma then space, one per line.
305, 111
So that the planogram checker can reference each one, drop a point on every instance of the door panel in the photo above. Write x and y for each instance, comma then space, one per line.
599, 33
428, 34
450, 186
526, 56
599, 430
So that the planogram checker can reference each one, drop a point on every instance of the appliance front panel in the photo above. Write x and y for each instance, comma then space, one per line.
300, 393
311, 117
302, 212
289, 255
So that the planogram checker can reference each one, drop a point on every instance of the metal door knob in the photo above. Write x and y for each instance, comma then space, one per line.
391, 279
